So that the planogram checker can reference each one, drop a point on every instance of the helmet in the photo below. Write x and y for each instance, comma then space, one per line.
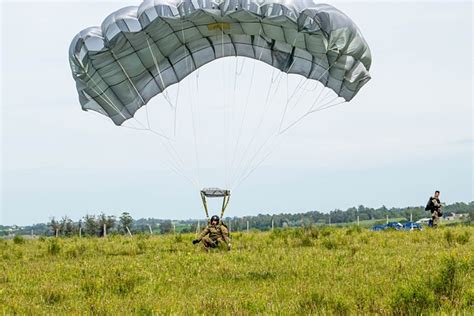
214, 218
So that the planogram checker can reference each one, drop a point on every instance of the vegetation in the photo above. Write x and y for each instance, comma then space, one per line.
93, 225
313, 270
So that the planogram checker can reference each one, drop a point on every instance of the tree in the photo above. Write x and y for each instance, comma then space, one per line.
90, 225
108, 221
54, 225
166, 227
126, 221
67, 226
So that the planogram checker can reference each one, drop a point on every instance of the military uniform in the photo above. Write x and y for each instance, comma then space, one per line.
434, 205
214, 236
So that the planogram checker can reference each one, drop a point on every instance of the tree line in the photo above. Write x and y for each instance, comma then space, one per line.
99, 225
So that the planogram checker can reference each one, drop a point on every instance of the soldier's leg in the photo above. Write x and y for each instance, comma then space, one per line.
207, 243
221, 243
435, 219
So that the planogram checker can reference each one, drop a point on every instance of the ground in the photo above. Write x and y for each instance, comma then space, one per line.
293, 271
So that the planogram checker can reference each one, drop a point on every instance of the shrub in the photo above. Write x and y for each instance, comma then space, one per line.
178, 238
449, 236
306, 242
448, 283
463, 238
412, 300
53, 247
329, 244
18, 240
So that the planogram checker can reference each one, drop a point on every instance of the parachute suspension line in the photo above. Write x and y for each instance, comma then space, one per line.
138, 94
103, 95
176, 110
107, 100
266, 106
193, 119
128, 77
324, 107
245, 176
235, 175
165, 93
174, 167
246, 103
278, 133
309, 111
232, 106
178, 166
238, 73
225, 105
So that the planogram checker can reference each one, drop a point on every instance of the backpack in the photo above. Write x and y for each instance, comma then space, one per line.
429, 205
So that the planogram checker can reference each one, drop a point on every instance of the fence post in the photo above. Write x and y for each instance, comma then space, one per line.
247, 226
105, 230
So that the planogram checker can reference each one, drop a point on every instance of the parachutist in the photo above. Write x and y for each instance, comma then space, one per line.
214, 235
434, 206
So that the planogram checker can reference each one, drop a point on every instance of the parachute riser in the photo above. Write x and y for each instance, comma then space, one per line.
225, 194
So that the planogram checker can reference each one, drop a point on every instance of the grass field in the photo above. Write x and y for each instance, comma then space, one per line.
292, 271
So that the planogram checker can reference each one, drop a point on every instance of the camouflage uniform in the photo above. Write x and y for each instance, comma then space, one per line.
214, 236
434, 205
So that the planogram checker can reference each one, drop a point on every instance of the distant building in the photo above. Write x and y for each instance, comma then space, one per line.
425, 220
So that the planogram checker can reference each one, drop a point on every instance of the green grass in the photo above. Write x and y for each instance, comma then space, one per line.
294, 271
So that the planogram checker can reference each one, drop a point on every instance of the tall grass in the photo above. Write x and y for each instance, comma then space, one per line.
287, 271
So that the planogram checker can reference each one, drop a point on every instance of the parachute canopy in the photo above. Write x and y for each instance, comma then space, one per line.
138, 52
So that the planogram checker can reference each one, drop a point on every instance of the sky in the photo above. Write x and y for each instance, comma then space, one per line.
408, 132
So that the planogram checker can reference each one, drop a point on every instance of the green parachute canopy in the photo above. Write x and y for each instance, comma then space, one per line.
138, 52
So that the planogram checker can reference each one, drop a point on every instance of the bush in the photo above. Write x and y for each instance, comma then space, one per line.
463, 238
448, 283
412, 300
329, 244
53, 247
18, 240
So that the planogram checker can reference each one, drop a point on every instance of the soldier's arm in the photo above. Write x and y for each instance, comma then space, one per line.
225, 234
203, 233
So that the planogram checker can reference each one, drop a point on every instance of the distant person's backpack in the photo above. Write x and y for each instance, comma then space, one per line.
429, 205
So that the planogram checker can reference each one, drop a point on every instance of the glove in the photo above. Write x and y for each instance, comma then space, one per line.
195, 241
228, 246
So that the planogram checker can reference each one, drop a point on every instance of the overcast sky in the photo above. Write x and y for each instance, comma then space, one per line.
407, 133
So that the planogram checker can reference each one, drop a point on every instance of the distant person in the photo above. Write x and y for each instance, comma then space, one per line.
434, 206
214, 235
